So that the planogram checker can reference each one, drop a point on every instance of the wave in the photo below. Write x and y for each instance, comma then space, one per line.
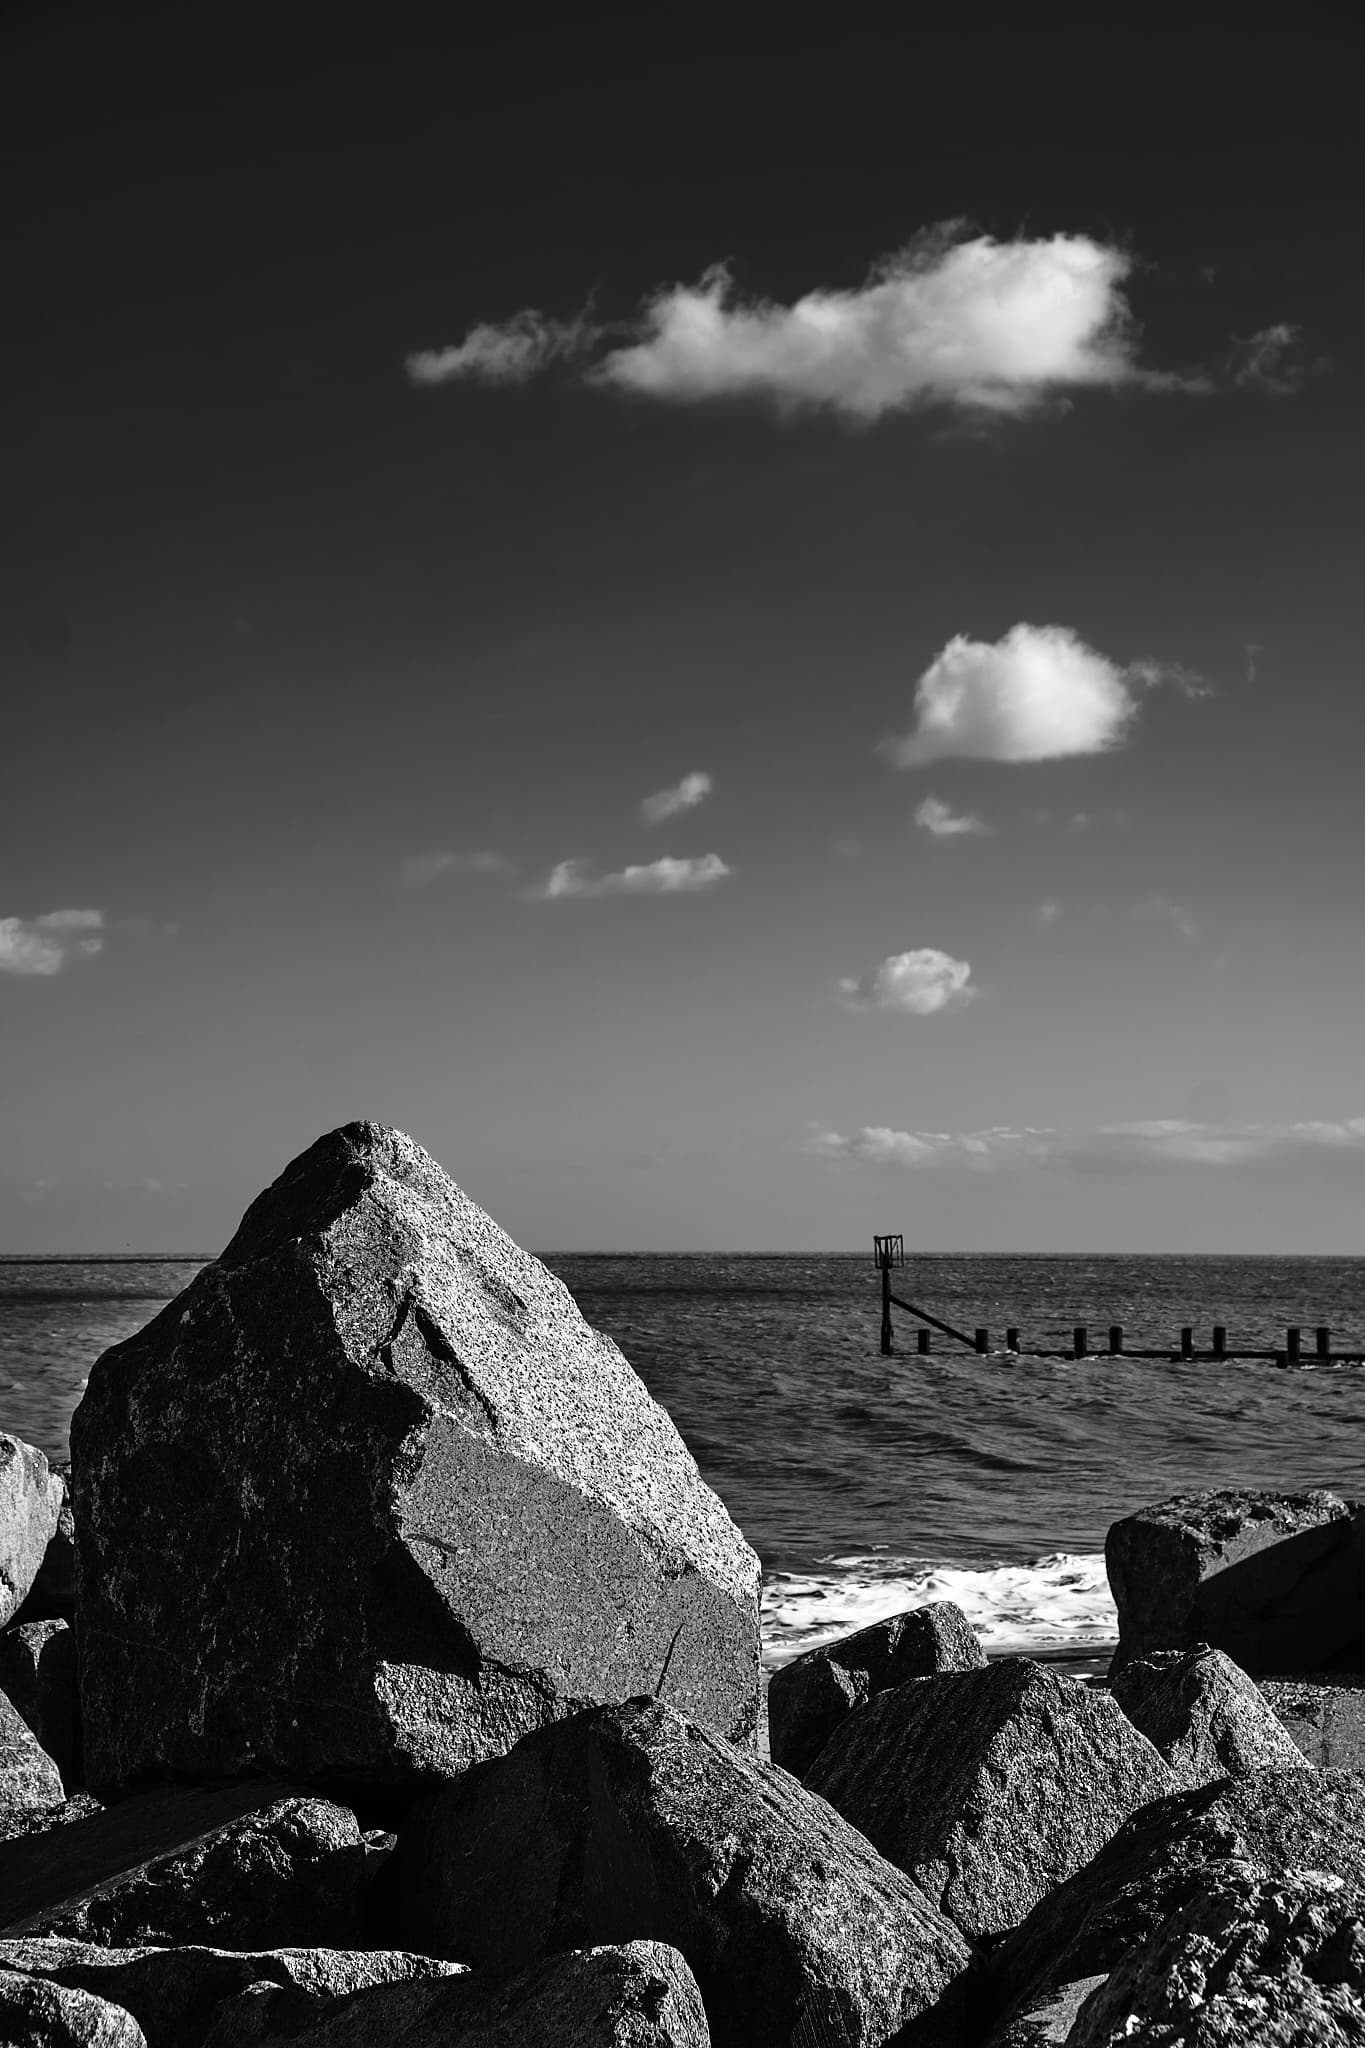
1057, 1602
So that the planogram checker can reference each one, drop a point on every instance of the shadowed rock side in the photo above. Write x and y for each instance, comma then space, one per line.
808, 1698
989, 1787
35, 2014
1253, 1960
370, 1500
631, 1823
1162, 1860
1277, 1580
1208, 1719
38, 1677
1323, 1714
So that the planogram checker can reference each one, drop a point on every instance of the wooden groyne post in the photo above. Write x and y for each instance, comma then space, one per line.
889, 1252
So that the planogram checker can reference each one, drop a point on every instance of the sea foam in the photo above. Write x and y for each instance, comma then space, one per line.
1055, 1603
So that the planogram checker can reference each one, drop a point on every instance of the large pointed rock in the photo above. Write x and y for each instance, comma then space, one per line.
1208, 1719
370, 1500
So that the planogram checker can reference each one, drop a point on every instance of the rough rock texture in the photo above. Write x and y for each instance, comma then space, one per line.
52, 1596
1252, 1960
1208, 1719
30, 1502
1160, 1861
28, 1776
631, 1823
38, 1674
1274, 1579
988, 1787
1323, 1715
19, 1822
808, 1698
370, 1500
640, 1995
177, 1994
287, 1872
1048, 2020
38, 2015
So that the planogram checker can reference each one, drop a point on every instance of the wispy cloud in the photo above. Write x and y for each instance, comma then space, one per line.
666, 877
44, 945
1164, 911
919, 983
1047, 912
509, 352
1104, 1149
941, 821
952, 319
1038, 694
1273, 361
421, 868
683, 796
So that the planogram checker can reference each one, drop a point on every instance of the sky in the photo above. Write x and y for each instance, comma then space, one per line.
755, 638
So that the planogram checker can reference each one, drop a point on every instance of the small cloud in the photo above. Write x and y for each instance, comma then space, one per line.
1047, 912
510, 352
1174, 914
919, 983
666, 877
1172, 675
422, 868
1272, 361
1038, 694
43, 945
942, 822
1112, 1149
683, 796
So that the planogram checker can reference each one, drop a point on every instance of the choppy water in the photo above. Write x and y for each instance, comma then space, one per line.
866, 1483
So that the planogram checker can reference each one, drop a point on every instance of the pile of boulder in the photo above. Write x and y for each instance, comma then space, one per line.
382, 1669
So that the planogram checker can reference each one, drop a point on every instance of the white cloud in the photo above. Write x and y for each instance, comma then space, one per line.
43, 945
1169, 1143
421, 868
666, 877
974, 323
942, 822
919, 982
510, 352
683, 796
1038, 694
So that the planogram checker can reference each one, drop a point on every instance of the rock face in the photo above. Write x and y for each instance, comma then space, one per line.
1208, 1719
1274, 1579
988, 1787
808, 1698
38, 1676
640, 1995
173, 1869
1161, 1860
1252, 1960
370, 1500
28, 1776
52, 1596
176, 1995
34, 2014
1323, 1715
631, 1823
30, 1503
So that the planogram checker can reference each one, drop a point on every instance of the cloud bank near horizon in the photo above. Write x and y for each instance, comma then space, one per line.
918, 983
957, 320
44, 945
1106, 1149
667, 877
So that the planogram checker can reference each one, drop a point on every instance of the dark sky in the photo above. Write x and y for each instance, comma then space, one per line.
314, 675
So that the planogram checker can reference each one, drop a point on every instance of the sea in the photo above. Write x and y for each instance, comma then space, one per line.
870, 1484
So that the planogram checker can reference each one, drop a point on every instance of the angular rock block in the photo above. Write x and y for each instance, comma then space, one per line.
1252, 1960
640, 1995
808, 1698
30, 1504
1162, 1859
988, 1787
34, 2014
38, 1676
1207, 1718
28, 1775
370, 1500
52, 1596
1276, 1580
177, 1995
244, 1867
631, 1823
1323, 1714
